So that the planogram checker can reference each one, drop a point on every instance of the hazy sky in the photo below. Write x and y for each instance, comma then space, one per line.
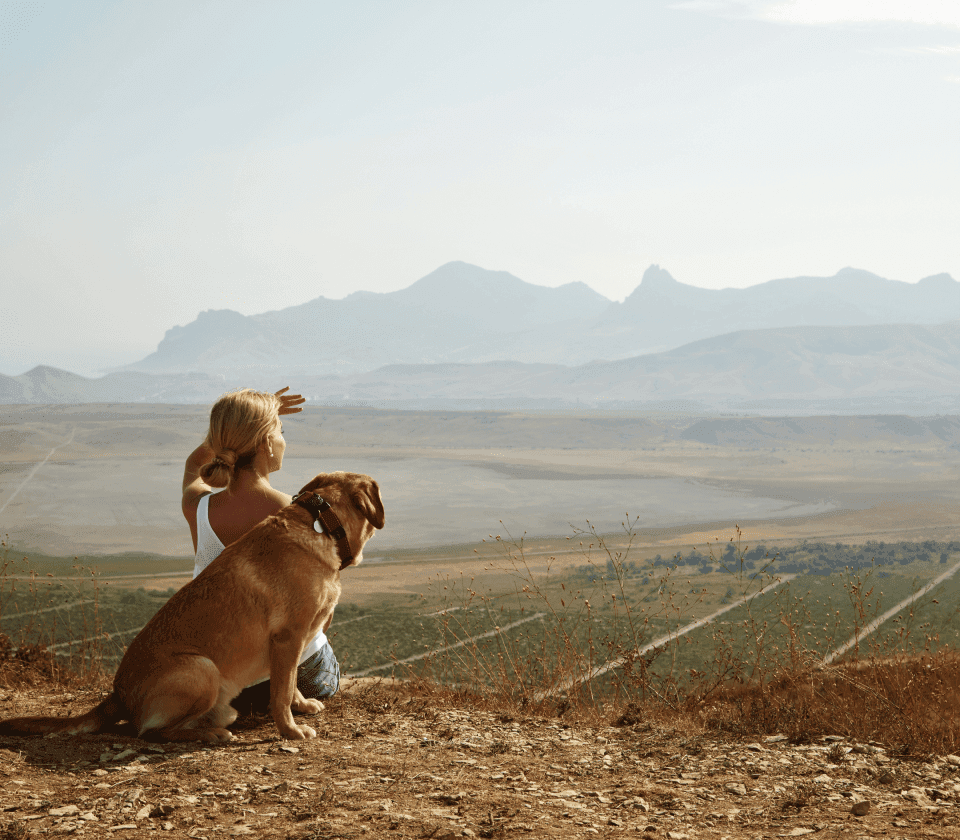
158, 159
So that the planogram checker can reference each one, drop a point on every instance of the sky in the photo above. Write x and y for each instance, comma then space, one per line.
161, 159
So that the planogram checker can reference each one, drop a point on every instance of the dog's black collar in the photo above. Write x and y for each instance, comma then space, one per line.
323, 513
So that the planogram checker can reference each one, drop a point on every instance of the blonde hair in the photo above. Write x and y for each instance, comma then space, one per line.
239, 422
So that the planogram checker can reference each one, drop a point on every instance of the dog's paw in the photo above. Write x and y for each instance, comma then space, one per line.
215, 735
298, 732
307, 707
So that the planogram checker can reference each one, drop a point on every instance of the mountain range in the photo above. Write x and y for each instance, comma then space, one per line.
463, 313
905, 368
467, 337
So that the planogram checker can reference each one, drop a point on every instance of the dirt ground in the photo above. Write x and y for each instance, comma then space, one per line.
390, 763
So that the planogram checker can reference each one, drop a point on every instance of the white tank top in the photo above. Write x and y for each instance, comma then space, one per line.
209, 547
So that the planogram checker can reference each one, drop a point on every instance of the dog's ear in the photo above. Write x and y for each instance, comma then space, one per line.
366, 499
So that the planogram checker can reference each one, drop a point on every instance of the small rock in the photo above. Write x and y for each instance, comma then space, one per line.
167, 826
737, 788
822, 779
65, 811
637, 802
886, 778
289, 749
120, 756
954, 760
755, 747
161, 811
860, 809
917, 796
99, 772
144, 812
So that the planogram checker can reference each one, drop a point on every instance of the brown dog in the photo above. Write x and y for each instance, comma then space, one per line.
247, 616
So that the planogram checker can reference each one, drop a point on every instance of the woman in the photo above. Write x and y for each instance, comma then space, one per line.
243, 446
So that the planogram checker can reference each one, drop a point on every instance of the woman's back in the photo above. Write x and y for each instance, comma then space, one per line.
220, 519
244, 445
231, 515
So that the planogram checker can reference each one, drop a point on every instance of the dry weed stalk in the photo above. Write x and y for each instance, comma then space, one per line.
591, 651
31, 611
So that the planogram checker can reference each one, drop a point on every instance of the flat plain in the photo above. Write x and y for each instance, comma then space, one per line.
472, 496
92, 480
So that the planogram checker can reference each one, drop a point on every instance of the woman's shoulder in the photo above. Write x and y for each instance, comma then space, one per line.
281, 499
191, 500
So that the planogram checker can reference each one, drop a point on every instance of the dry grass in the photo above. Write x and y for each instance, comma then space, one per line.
595, 657
907, 703
31, 650
570, 661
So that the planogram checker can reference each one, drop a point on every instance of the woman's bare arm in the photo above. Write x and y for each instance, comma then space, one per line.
192, 483
194, 486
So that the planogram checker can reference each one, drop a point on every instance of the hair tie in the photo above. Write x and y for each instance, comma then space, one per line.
227, 457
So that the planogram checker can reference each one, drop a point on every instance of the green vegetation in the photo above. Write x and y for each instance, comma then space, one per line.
812, 558
613, 632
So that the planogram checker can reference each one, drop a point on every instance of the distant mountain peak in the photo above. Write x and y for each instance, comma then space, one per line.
942, 279
459, 274
656, 277
850, 273
48, 371
223, 316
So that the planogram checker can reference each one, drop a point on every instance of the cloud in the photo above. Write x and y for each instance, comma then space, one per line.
826, 12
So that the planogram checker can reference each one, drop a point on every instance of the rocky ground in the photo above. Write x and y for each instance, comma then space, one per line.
388, 764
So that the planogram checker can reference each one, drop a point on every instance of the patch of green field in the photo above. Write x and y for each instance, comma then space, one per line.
19, 562
541, 630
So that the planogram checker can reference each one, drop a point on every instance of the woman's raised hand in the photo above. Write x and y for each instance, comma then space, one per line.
290, 403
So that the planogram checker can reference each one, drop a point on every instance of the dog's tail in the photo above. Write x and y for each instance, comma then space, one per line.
98, 718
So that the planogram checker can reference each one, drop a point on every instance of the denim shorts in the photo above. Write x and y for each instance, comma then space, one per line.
318, 677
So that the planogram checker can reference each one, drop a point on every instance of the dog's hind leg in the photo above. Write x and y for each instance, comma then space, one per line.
185, 704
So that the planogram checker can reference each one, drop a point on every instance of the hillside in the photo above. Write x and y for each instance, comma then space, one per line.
461, 313
893, 368
797, 363
457, 313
